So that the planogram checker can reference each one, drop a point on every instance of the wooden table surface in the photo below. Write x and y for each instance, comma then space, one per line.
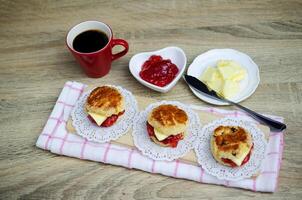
35, 64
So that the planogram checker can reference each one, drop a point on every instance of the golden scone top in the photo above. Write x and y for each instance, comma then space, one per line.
168, 119
105, 100
228, 138
169, 115
104, 95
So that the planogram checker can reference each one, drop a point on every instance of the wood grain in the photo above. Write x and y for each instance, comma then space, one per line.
35, 64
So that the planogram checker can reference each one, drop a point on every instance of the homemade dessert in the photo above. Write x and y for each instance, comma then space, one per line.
231, 145
158, 71
224, 78
105, 105
166, 125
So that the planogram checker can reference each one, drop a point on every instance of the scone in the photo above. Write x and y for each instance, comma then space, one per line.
166, 125
104, 105
231, 145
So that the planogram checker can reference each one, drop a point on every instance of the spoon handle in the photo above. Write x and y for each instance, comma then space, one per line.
273, 124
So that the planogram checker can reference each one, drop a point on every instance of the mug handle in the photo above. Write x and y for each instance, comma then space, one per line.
122, 43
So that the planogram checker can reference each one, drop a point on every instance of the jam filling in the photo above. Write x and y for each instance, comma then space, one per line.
246, 159
171, 141
109, 121
158, 71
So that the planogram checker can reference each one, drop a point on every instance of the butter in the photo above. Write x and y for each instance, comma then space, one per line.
210, 74
159, 135
224, 78
216, 85
213, 79
230, 88
99, 119
231, 70
240, 76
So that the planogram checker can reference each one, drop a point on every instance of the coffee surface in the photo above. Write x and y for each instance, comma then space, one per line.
90, 41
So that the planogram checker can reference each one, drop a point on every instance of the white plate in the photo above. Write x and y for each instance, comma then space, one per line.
210, 58
175, 54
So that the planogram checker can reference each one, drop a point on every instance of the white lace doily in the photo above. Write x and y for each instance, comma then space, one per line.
143, 142
85, 128
211, 166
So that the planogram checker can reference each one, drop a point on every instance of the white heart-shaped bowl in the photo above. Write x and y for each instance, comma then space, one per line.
210, 58
175, 54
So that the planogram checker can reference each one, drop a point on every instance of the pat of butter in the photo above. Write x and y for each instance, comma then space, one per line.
213, 79
159, 135
210, 74
240, 76
230, 88
99, 119
231, 70
216, 85
224, 78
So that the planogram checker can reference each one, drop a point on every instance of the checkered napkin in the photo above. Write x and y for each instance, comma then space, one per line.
56, 139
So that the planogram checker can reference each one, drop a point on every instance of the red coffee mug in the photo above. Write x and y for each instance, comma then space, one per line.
96, 64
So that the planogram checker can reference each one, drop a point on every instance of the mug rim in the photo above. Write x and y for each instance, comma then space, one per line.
90, 53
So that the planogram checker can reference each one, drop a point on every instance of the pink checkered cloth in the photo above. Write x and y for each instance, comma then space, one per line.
56, 139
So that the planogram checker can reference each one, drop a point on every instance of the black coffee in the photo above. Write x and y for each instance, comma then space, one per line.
90, 41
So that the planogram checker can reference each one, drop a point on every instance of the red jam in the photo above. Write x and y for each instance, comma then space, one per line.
109, 121
172, 140
158, 71
246, 159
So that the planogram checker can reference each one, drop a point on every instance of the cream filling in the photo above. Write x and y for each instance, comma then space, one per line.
240, 156
159, 135
99, 119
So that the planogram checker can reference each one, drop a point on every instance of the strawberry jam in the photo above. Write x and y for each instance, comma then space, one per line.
109, 121
158, 71
171, 141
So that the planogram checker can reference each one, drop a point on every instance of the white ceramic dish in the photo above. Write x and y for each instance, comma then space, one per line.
175, 54
210, 58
